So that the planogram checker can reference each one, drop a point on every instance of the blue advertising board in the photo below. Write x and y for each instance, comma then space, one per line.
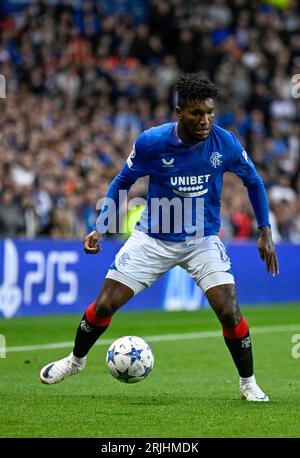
44, 277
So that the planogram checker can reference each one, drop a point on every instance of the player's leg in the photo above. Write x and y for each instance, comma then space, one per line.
94, 323
98, 315
138, 264
222, 299
210, 267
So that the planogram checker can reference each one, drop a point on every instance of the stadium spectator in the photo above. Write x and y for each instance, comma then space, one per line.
83, 80
10, 222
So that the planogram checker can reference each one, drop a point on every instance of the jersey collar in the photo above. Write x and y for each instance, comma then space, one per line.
180, 142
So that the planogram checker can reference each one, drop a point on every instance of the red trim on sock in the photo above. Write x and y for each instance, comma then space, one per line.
93, 319
238, 332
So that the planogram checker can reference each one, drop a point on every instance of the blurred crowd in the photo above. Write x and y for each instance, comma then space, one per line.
83, 82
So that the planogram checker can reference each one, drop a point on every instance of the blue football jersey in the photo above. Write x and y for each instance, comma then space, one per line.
185, 182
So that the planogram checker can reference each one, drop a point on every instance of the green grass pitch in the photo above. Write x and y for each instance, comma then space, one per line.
191, 392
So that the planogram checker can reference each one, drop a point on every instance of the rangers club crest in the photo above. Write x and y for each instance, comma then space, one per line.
215, 159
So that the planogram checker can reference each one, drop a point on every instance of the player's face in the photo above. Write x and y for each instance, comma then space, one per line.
196, 119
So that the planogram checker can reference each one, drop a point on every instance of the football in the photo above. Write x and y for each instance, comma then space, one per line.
130, 359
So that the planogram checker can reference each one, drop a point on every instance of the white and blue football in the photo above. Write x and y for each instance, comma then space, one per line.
130, 359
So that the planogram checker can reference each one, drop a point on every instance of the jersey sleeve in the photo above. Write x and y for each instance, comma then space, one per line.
135, 167
137, 162
243, 167
241, 163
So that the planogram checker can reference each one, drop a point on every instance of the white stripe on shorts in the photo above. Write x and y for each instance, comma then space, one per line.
135, 285
215, 279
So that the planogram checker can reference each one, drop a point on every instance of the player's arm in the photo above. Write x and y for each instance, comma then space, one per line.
134, 168
267, 250
122, 182
242, 166
258, 198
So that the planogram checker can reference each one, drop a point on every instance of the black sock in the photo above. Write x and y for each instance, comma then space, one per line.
86, 336
241, 352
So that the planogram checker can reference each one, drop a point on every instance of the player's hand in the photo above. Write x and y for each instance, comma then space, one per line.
267, 250
91, 242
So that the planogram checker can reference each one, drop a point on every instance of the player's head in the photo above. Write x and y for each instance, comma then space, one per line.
195, 106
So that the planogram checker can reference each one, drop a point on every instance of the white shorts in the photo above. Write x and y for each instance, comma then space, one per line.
142, 260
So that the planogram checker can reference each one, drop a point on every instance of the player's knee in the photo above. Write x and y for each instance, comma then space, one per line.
107, 304
225, 305
230, 316
105, 307
111, 298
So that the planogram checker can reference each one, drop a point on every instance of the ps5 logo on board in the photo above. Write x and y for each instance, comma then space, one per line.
10, 292
47, 271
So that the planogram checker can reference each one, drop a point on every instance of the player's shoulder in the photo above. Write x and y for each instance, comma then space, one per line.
155, 138
227, 140
159, 133
224, 135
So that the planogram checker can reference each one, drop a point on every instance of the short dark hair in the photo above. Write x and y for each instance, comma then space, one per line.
194, 86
